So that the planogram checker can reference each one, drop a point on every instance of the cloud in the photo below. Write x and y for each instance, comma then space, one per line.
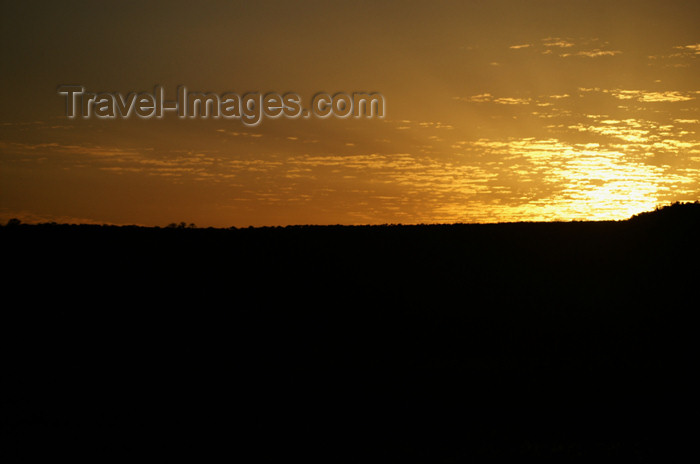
548, 178
239, 133
488, 98
512, 101
557, 42
592, 53
694, 48
614, 129
642, 137
651, 97
30, 149
481, 98
645, 96
435, 125
550, 45
679, 59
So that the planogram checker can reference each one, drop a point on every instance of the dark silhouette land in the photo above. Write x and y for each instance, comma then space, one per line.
435, 343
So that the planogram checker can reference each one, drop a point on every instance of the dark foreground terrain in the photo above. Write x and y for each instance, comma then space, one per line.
352, 344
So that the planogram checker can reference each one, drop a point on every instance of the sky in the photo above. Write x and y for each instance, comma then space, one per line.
495, 111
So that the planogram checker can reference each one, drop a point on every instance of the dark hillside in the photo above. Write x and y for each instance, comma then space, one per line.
352, 344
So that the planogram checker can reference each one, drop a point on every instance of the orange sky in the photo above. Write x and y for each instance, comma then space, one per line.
495, 111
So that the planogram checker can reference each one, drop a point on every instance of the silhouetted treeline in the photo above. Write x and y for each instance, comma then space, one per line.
435, 343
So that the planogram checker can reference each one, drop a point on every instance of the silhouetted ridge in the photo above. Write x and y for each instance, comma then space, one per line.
363, 344
676, 212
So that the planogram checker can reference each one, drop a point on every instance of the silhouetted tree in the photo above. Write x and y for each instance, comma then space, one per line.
181, 225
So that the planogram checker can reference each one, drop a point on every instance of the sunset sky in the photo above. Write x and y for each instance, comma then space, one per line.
495, 111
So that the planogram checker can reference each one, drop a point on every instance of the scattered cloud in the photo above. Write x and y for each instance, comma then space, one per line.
681, 58
240, 133
651, 97
583, 180
488, 98
557, 42
646, 96
568, 47
592, 53
694, 48
481, 98
512, 101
